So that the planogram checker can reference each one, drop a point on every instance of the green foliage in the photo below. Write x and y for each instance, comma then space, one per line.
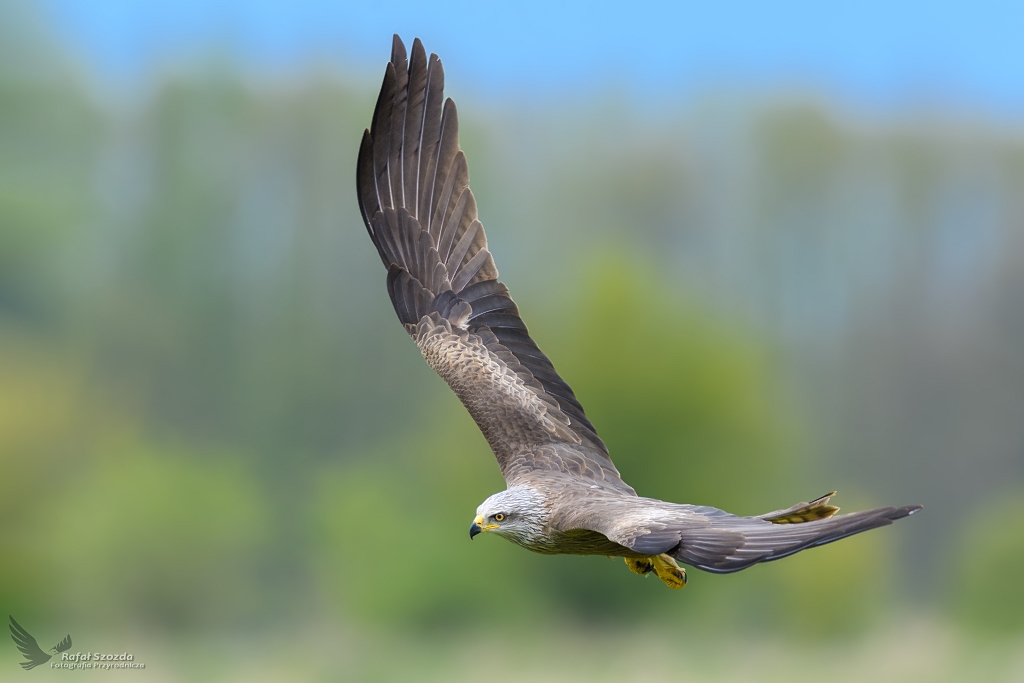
165, 535
683, 401
988, 591
837, 589
389, 533
44, 415
801, 151
50, 139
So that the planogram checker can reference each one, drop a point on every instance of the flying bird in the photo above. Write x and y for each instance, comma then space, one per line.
30, 648
564, 494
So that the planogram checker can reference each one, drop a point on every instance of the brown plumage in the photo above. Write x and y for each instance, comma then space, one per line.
564, 493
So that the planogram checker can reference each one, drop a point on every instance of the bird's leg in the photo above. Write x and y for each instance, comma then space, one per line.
639, 565
668, 571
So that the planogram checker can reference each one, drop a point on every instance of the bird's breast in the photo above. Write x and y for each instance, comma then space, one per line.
574, 542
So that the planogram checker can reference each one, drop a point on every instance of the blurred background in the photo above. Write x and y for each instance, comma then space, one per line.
220, 452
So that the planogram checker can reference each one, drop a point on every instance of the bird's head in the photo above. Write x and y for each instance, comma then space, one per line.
517, 512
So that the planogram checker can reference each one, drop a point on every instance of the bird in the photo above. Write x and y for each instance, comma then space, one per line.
30, 648
563, 493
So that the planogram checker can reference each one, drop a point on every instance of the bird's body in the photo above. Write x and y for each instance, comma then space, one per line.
564, 494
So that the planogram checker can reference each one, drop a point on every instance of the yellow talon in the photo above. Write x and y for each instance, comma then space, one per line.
663, 565
668, 571
639, 565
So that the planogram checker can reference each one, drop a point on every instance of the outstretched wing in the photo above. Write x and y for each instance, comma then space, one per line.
714, 540
64, 645
412, 181
28, 646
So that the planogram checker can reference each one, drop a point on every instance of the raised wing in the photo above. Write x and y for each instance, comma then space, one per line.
28, 646
412, 181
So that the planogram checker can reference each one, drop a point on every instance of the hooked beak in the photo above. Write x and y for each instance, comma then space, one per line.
479, 526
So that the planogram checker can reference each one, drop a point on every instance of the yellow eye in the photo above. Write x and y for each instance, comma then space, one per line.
499, 517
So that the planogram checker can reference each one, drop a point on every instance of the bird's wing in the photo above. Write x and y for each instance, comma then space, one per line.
412, 182
711, 539
64, 645
28, 646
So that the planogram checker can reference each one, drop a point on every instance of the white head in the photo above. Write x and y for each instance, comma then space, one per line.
518, 513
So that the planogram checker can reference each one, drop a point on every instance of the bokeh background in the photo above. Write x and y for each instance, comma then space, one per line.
776, 250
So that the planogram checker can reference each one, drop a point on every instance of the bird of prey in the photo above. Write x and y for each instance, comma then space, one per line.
30, 648
563, 493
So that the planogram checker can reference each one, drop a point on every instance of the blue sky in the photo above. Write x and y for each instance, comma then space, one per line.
964, 54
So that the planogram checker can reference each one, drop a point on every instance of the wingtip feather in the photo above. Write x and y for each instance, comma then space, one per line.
397, 49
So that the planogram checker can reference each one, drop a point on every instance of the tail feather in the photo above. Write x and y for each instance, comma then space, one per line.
731, 543
803, 512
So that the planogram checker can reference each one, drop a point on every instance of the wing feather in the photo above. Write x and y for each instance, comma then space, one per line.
380, 131
396, 127
430, 134
412, 137
451, 165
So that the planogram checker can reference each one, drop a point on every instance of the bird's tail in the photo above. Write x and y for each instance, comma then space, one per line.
732, 543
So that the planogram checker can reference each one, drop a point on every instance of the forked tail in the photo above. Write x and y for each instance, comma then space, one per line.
731, 543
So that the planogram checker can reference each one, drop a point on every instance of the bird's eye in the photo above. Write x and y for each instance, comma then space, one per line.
499, 517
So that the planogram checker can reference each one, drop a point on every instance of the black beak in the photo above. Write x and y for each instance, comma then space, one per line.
474, 530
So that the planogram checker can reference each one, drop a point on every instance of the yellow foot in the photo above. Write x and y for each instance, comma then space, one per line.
664, 566
639, 565
668, 571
